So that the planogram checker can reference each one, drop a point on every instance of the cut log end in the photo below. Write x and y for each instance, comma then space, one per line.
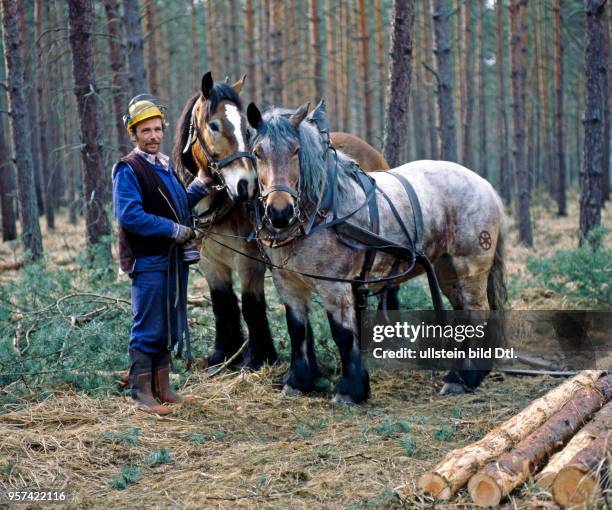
574, 487
484, 490
545, 480
435, 485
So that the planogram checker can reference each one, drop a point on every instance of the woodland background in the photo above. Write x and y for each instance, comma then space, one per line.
515, 90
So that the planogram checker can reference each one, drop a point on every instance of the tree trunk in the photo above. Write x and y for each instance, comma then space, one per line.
505, 177
460, 464
137, 77
152, 65
380, 65
234, 60
593, 150
578, 484
32, 112
7, 173
365, 73
497, 479
398, 92
428, 88
250, 44
468, 81
457, 41
559, 134
96, 180
120, 82
545, 127
446, 108
42, 85
608, 79
195, 47
277, 78
332, 63
30, 229
482, 98
316, 56
601, 421
518, 47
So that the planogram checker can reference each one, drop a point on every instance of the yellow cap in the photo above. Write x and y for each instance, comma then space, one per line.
142, 107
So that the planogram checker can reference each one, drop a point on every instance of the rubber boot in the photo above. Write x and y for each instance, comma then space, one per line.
161, 381
141, 383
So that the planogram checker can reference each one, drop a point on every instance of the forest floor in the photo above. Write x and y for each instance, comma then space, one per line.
244, 445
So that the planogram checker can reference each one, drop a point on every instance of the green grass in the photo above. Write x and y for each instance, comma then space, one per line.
129, 475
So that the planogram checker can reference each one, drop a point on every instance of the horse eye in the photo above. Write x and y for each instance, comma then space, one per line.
214, 127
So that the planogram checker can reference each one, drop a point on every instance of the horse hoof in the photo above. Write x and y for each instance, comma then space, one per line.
452, 388
288, 391
343, 400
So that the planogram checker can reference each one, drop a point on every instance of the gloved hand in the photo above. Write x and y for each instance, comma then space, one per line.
182, 234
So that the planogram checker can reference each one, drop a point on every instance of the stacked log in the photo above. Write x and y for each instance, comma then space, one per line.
578, 484
601, 422
498, 478
459, 465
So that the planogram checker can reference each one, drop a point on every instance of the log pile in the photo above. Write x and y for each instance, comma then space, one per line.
515, 450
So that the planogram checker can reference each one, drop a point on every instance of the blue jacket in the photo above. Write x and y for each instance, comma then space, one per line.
127, 204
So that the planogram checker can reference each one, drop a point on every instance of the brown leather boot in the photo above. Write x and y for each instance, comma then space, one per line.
161, 381
141, 383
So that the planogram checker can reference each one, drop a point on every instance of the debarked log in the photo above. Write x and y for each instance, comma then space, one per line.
580, 483
601, 422
459, 465
498, 478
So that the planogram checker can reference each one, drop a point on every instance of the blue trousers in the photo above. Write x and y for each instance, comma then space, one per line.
159, 308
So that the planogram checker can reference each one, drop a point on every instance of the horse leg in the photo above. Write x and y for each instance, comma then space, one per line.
228, 333
353, 387
303, 369
261, 347
390, 298
464, 283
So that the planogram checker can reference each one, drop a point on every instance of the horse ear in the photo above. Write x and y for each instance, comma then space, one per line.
254, 116
207, 85
299, 115
318, 113
238, 85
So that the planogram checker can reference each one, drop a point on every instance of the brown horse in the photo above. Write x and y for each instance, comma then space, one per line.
460, 210
211, 140
368, 157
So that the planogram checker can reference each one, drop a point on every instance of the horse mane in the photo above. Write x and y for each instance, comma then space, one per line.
313, 173
184, 164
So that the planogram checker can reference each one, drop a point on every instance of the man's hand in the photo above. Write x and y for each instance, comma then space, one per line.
182, 234
206, 180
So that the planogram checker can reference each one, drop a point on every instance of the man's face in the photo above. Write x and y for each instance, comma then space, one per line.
149, 135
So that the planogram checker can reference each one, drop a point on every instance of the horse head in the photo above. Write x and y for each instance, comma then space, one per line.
212, 139
290, 155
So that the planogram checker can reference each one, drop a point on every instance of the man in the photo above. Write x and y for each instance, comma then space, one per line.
153, 211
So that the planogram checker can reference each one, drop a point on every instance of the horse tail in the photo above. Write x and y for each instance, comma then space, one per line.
497, 294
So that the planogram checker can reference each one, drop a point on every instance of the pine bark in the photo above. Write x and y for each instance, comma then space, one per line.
444, 59
559, 128
316, 56
152, 65
427, 83
96, 181
601, 421
250, 44
137, 77
468, 82
7, 188
578, 484
32, 111
233, 64
41, 18
398, 92
460, 464
500, 477
380, 63
482, 96
365, 72
120, 82
591, 178
30, 229
277, 78
505, 177
608, 81
518, 49
195, 46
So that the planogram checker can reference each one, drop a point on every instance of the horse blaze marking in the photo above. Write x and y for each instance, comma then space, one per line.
484, 240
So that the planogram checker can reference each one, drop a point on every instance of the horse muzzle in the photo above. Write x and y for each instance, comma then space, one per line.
282, 218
